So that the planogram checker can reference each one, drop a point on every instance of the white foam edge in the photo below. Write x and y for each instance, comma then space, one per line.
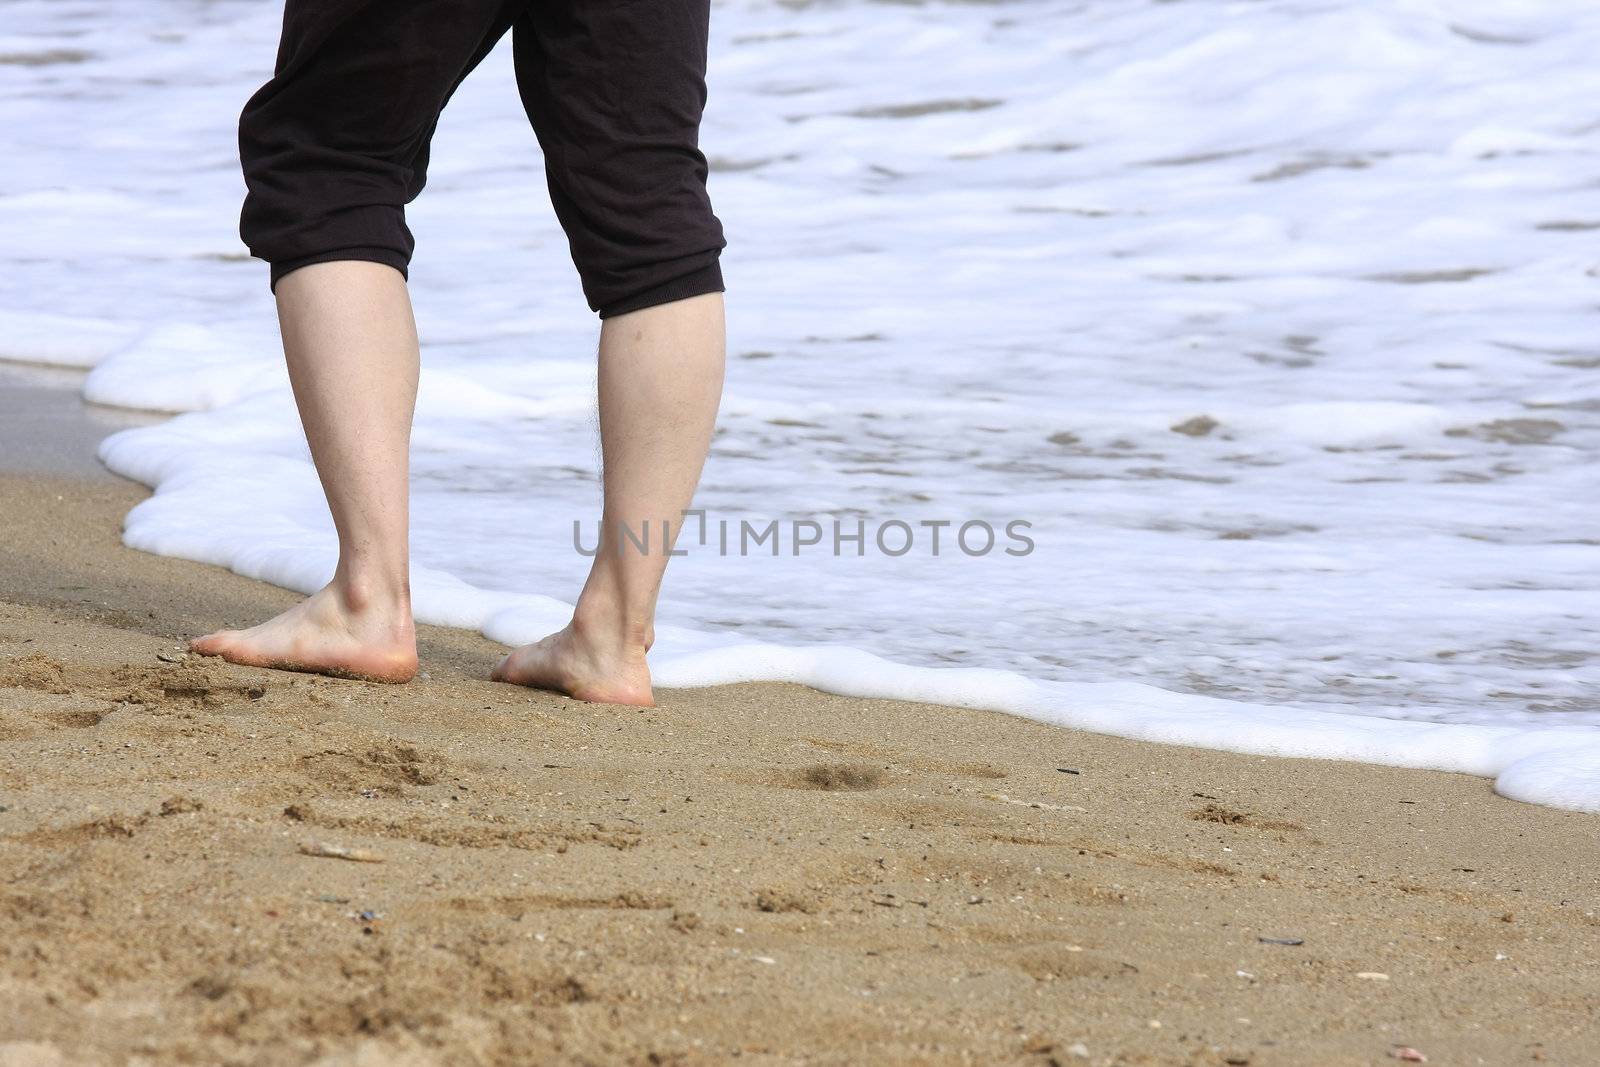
1553, 766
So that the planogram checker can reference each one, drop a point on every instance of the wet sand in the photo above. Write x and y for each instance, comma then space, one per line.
757, 874
47, 428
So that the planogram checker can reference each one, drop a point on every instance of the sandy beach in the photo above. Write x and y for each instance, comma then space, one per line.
201, 863
1269, 326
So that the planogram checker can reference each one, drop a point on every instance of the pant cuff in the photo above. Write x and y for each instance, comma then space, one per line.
706, 279
367, 254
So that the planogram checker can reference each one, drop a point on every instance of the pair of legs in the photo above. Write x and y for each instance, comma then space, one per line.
336, 144
351, 347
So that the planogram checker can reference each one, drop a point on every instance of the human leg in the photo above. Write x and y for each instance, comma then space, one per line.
660, 381
351, 348
615, 90
333, 147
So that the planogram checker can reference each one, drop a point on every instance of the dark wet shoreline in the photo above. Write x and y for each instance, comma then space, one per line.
46, 427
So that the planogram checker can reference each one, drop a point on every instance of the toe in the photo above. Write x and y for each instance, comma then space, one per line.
211, 644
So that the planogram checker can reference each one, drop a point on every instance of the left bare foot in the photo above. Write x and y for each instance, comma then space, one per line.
580, 664
331, 632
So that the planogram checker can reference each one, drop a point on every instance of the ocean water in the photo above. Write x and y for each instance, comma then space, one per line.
1274, 324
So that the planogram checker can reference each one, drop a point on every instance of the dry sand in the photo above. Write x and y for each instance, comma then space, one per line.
757, 874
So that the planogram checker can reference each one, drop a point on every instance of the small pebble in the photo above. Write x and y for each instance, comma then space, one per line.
1281, 940
1407, 1053
168, 657
1376, 976
1078, 1050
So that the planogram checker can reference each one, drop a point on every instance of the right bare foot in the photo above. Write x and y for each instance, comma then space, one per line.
583, 664
330, 632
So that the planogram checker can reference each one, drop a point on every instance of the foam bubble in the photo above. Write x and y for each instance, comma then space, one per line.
60, 340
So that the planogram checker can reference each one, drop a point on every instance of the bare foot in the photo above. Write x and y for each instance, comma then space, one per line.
582, 666
326, 634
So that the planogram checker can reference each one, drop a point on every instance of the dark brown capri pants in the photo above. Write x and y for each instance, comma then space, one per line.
336, 144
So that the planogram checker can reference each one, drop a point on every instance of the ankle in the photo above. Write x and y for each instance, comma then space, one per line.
606, 625
367, 594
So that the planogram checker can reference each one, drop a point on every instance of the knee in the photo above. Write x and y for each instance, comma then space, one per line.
641, 231
620, 287
311, 200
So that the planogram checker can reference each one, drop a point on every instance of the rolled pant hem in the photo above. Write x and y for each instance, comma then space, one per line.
368, 254
701, 280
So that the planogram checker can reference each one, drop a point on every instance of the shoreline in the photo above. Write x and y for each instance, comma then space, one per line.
1547, 764
47, 428
586, 884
